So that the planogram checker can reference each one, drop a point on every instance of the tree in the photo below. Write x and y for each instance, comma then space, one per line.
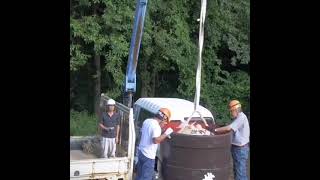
96, 34
101, 31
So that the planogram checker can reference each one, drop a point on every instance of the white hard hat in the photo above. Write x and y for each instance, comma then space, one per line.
111, 102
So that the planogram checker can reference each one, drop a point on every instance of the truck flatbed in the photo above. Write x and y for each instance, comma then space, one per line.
80, 155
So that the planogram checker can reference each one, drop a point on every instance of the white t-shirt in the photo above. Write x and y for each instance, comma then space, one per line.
241, 129
149, 130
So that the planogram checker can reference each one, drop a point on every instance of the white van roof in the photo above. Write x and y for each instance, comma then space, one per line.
180, 108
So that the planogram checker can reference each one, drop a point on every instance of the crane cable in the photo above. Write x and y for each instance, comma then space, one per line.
201, 37
198, 73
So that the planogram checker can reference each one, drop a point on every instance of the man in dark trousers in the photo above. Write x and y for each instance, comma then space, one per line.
150, 138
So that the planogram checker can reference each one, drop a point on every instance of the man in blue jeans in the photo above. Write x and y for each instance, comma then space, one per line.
240, 140
150, 138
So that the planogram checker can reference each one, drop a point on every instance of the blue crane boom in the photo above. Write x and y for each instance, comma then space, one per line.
130, 81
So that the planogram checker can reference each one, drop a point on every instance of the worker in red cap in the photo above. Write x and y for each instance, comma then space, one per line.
241, 131
150, 138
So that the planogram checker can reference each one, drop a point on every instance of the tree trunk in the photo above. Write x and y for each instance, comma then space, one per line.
145, 80
88, 103
153, 84
97, 85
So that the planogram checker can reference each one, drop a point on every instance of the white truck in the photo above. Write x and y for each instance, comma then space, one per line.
83, 166
89, 166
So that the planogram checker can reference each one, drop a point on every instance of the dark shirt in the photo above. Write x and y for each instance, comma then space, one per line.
110, 122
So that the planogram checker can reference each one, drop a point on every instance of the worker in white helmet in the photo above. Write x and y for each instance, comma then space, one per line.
109, 124
240, 141
150, 138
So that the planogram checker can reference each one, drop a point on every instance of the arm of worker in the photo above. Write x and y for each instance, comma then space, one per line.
159, 139
118, 130
117, 135
102, 126
235, 125
101, 123
223, 129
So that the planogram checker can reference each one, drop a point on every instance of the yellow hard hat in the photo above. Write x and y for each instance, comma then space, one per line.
166, 112
234, 104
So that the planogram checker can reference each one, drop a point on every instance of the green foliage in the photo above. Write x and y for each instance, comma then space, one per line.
82, 123
168, 54
217, 96
103, 28
77, 57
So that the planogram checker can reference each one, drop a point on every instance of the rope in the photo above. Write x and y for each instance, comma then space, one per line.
201, 37
198, 73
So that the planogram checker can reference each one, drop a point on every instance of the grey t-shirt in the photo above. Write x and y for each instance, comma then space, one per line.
110, 122
241, 130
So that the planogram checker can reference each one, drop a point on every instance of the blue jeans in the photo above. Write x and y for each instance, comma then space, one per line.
145, 167
240, 157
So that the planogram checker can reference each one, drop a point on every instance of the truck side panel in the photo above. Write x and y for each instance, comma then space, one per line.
91, 169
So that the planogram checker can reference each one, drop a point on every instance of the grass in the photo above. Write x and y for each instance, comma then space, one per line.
82, 123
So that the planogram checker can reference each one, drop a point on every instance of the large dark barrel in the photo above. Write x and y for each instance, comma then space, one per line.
190, 157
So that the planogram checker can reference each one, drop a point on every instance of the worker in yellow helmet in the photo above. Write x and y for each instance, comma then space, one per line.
240, 140
150, 138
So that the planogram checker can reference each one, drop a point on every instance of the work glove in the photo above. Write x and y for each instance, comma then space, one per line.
168, 131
